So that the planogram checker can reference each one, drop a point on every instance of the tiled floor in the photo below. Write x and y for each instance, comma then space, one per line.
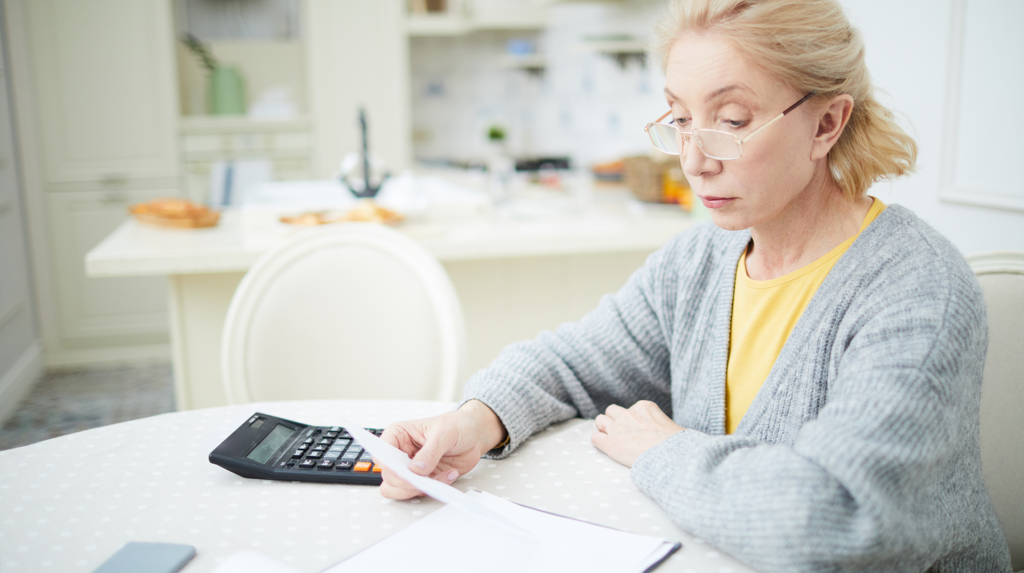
66, 402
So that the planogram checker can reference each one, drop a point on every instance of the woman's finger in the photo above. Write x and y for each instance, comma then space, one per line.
425, 460
614, 411
394, 487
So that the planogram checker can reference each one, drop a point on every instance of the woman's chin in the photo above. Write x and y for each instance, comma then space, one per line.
729, 221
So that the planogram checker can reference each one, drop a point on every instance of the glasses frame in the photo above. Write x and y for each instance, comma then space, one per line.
686, 135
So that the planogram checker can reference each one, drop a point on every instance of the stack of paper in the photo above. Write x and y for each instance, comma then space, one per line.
482, 532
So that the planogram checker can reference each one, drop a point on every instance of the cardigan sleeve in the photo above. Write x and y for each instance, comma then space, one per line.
616, 354
857, 488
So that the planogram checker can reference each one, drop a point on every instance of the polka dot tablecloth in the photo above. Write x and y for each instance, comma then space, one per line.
69, 503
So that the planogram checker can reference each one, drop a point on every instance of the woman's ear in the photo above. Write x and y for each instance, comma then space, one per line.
832, 121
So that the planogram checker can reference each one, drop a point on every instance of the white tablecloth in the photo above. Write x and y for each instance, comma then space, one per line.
69, 503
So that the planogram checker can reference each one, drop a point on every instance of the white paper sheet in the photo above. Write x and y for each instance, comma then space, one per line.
396, 460
451, 540
479, 531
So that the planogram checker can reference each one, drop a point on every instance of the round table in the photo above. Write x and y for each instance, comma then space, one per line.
69, 503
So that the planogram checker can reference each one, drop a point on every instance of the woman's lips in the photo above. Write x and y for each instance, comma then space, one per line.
716, 202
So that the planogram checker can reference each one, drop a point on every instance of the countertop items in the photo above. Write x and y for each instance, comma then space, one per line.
174, 213
533, 224
71, 502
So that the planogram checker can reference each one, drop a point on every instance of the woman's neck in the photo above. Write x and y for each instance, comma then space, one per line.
814, 223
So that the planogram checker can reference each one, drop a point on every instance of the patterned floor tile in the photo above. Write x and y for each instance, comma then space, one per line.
66, 402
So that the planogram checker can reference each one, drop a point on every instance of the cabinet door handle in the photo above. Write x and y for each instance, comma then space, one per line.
113, 180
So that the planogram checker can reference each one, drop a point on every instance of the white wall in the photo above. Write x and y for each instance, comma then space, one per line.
908, 52
21, 360
587, 107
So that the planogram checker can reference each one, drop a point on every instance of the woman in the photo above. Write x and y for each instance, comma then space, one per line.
798, 383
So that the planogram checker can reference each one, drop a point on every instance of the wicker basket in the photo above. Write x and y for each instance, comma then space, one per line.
645, 176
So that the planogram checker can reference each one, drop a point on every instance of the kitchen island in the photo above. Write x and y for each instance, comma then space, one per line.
527, 265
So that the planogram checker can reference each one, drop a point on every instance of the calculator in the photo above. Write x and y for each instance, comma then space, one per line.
267, 447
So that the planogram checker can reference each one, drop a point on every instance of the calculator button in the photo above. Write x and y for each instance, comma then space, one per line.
308, 441
335, 429
307, 464
343, 465
376, 469
325, 464
326, 442
320, 448
377, 432
362, 467
343, 442
366, 457
331, 434
297, 454
303, 446
345, 434
355, 449
314, 455
332, 455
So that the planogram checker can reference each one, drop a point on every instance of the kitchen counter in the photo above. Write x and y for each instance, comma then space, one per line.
612, 222
533, 262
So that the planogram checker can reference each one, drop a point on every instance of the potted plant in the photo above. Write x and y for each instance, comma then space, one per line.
225, 87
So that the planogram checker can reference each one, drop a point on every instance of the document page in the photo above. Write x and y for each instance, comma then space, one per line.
452, 540
480, 531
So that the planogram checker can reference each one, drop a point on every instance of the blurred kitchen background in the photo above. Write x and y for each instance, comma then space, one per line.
104, 105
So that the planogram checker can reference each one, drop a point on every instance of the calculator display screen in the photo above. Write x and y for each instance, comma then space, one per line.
262, 452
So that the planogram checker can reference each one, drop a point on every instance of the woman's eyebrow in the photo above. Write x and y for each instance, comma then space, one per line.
712, 95
723, 90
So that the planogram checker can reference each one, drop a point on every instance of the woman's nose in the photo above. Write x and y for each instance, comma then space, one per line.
695, 163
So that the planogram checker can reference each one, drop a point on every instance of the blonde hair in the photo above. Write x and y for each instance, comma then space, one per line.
810, 46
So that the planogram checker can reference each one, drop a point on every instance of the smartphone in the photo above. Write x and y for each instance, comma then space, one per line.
142, 557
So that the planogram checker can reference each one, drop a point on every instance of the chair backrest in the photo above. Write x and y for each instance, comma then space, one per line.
352, 310
1001, 275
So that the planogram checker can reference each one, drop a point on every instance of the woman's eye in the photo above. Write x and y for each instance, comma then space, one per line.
680, 122
734, 124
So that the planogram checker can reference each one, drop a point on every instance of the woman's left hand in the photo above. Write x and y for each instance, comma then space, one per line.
624, 433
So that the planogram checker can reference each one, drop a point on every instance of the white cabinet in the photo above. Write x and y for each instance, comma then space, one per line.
104, 87
101, 312
286, 144
98, 80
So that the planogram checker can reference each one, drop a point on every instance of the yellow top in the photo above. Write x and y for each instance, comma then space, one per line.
763, 315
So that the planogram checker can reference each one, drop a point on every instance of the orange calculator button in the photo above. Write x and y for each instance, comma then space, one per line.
376, 469
362, 467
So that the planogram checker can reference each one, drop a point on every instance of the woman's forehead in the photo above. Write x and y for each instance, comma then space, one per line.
703, 68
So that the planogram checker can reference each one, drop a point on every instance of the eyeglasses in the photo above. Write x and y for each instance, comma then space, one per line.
721, 145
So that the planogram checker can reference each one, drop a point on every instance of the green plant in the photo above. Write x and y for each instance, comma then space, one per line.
201, 50
496, 133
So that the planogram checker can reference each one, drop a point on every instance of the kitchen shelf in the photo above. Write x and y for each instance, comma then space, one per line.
621, 48
534, 64
436, 25
198, 124
466, 16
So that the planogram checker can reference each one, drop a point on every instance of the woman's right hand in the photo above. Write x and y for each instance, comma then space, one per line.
443, 447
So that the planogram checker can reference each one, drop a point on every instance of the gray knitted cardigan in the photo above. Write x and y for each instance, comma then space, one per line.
859, 453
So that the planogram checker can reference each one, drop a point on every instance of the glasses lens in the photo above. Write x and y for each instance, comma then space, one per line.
717, 144
665, 138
